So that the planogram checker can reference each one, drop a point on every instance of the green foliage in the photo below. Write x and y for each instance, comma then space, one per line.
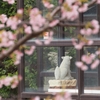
7, 9
70, 32
7, 67
30, 70
30, 77
29, 4
7, 92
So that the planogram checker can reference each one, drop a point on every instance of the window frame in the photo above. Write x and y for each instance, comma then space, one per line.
81, 96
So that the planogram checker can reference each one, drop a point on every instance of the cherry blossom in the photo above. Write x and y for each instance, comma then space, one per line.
88, 58
95, 64
98, 1
69, 13
20, 11
28, 29
3, 18
69, 10
36, 98
10, 81
29, 52
86, 32
90, 28
78, 45
64, 96
81, 65
18, 54
2, 25
13, 22
47, 4
83, 8
8, 39
10, 1
36, 19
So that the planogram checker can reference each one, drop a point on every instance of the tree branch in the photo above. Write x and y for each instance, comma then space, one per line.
23, 40
90, 4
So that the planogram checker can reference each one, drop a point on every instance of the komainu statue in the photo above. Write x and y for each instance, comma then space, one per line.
63, 71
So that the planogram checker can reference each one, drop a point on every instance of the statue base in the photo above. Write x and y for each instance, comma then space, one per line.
62, 84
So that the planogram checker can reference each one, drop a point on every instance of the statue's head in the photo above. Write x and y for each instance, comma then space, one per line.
66, 61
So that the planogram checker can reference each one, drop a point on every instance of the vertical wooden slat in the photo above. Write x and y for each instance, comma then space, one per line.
20, 5
80, 76
61, 50
40, 66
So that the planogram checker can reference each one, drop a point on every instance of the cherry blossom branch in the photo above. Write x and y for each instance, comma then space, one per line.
55, 11
41, 30
90, 4
22, 41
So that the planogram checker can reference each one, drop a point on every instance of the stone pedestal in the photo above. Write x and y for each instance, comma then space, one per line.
62, 83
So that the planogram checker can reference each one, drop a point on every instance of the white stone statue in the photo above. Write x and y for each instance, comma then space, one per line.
63, 72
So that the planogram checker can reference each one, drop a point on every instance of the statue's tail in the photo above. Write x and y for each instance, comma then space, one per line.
57, 73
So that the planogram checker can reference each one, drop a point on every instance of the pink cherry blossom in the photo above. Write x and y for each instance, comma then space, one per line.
86, 32
11, 36
3, 18
36, 98
97, 52
10, 1
53, 23
18, 55
7, 81
36, 19
95, 64
84, 68
95, 26
8, 39
83, 8
15, 81
87, 59
92, 29
79, 64
98, 1
29, 52
2, 25
47, 4
79, 45
20, 11
13, 22
90, 42
28, 30
65, 96
70, 14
